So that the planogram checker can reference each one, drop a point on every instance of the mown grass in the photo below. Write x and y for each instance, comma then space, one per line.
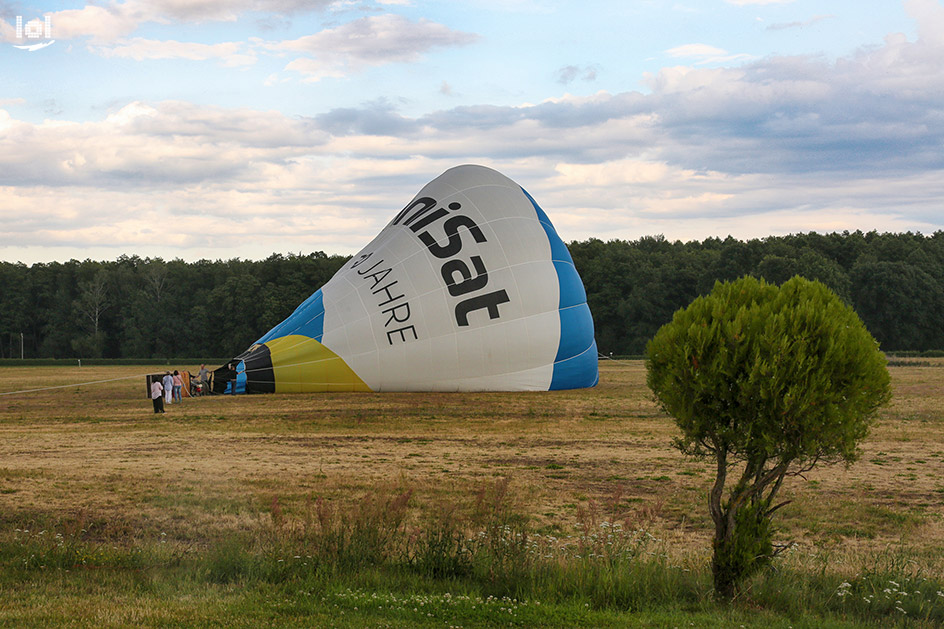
403, 510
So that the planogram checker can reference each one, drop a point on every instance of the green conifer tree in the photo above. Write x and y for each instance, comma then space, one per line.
767, 382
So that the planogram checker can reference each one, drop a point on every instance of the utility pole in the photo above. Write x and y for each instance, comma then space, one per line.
21, 346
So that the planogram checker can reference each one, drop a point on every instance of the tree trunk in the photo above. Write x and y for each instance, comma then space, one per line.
725, 580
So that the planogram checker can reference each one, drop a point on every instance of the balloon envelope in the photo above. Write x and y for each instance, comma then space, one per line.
467, 288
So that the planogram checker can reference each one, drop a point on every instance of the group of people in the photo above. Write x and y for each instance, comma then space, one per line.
168, 389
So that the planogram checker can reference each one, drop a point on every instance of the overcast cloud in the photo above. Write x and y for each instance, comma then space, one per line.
316, 133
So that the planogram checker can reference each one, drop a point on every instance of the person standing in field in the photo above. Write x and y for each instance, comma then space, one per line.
157, 395
178, 383
168, 387
204, 379
231, 375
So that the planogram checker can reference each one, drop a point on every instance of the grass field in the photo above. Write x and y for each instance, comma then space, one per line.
421, 509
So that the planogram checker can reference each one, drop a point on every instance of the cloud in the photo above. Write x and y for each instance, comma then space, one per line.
99, 23
569, 74
378, 119
879, 110
868, 111
335, 52
696, 50
773, 146
150, 146
115, 20
7, 31
705, 53
781, 26
929, 16
369, 41
229, 10
227, 53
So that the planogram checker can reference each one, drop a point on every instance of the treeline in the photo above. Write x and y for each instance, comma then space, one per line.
151, 308
894, 281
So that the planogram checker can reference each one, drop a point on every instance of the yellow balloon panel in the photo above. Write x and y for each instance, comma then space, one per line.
303, 365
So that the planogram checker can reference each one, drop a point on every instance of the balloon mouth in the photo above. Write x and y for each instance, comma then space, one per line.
250, 372
260, 375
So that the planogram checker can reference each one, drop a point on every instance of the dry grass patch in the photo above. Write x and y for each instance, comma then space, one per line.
217, 465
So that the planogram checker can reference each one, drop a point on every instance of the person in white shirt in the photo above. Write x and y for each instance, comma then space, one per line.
168, 387
157, 395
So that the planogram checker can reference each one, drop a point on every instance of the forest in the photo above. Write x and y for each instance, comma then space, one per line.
152, 308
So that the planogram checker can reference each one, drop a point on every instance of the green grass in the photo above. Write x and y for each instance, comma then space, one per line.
481, 564
176, 602
231, 586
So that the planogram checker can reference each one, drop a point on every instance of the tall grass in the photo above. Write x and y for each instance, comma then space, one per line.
473, 553
891, 587
486, 542
484, 556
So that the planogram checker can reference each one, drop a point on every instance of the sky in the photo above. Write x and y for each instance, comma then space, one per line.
203, 129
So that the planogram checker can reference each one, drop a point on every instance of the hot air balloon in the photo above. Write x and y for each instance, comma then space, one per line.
467, 288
